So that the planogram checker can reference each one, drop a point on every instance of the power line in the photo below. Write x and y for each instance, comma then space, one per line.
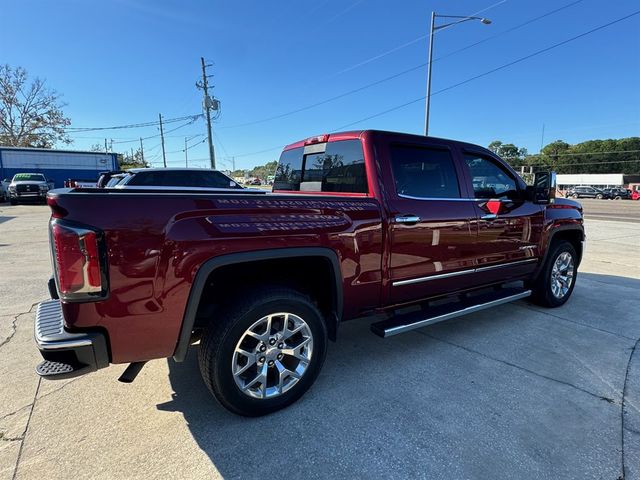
501, 67
158, 135
399, 74
582, 163
407, 44
585, 153
133, 125
189, 147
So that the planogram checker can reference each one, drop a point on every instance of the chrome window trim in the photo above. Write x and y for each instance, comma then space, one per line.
454, 199
411, 281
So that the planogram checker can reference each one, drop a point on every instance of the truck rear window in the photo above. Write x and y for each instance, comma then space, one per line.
339, 168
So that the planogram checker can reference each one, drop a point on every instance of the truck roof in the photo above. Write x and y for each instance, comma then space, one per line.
350, 134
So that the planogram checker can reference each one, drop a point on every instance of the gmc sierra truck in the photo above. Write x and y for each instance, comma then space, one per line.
412, 229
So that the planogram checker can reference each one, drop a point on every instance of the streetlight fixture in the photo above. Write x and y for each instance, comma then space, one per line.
434, 28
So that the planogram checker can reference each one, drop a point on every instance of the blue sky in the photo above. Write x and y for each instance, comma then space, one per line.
122, 62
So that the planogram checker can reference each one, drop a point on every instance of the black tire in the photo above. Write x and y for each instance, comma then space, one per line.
599, 196
13, 202
575, 196
223, 333
542, 293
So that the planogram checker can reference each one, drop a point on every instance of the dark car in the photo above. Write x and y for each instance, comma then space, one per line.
587, 192
618, 193
359, 223
176, 179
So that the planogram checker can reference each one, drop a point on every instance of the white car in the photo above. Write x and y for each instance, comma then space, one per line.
28, 187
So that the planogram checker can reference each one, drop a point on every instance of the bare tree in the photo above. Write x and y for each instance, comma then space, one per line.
30, 113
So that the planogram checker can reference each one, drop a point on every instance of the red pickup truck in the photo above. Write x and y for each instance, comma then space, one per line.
413, 229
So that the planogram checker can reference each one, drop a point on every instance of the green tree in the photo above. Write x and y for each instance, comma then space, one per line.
127, 160
263, 171
509, 152
30, 113
554, 153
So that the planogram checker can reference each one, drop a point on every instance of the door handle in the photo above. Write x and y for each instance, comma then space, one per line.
489, 216
407, 219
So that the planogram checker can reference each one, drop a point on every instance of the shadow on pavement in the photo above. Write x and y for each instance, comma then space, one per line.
458, 399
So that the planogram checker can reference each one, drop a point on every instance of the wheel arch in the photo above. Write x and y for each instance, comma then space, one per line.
208, 268
573, 234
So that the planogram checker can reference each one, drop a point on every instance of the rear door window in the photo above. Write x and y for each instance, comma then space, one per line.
339, 168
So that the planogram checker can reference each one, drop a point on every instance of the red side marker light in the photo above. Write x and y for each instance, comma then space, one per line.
494, 206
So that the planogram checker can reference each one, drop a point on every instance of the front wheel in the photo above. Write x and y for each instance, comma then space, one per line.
556, 281
261, 356
575, 196
599, 196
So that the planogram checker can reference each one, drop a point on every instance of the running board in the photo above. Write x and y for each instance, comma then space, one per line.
410, 321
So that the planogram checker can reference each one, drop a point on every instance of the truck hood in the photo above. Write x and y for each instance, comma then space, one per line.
567, 203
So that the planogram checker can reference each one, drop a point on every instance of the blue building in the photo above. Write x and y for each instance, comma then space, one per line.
56, 165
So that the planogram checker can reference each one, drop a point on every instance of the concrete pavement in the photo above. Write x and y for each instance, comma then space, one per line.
513, 392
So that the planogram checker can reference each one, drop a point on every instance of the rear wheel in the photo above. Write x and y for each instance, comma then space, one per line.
599, 196
13, 202
575, 196
556, 281
261, 356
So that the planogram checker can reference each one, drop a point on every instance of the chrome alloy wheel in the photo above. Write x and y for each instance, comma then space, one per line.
562, 275
272, 355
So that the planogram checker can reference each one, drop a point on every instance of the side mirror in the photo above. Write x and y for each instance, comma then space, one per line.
544, 187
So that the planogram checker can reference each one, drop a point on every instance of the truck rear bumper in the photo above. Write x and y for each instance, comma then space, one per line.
66, 354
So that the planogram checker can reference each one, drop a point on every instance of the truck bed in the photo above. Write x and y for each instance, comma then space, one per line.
157, 242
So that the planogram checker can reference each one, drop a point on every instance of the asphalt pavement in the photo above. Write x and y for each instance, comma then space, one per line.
509, 393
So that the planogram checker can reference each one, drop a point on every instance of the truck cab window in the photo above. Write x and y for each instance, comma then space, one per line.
424, 172
489, 179
340, 168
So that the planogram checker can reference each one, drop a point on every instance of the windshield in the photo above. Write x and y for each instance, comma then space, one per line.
30, 177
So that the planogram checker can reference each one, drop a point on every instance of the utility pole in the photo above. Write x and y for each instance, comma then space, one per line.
233, 162
141, 150
164, 157
208, 103
186, 158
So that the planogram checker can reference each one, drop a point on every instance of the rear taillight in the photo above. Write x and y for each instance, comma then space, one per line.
79, 269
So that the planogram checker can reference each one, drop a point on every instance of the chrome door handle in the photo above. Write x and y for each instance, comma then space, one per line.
489, 216
407, 219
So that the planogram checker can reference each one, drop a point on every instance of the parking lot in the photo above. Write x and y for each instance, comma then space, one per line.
513, 392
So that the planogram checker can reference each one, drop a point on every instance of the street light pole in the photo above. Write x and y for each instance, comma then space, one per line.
432, 30
428, 99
